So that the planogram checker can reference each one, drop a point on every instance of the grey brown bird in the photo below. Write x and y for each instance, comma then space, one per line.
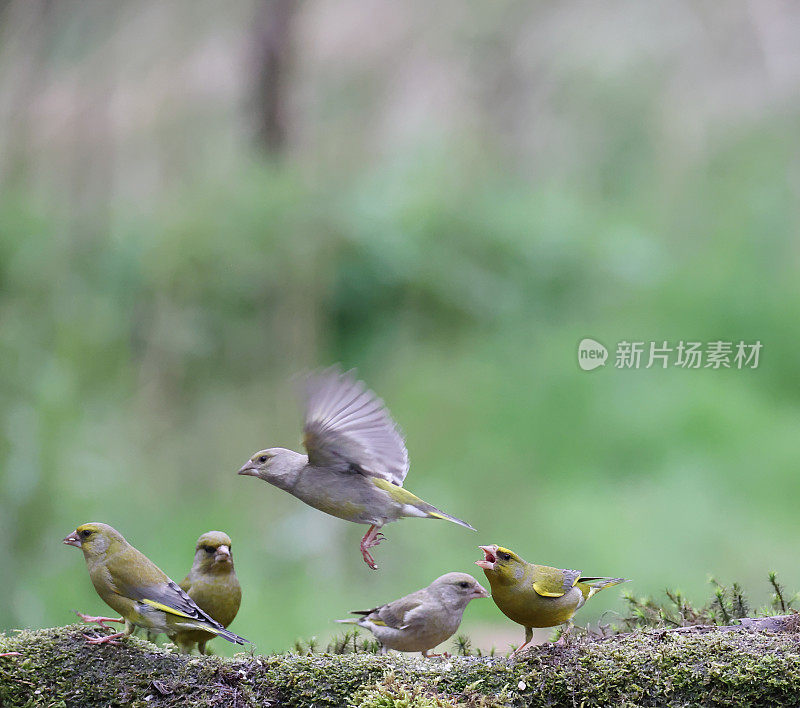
355, 464
425, 618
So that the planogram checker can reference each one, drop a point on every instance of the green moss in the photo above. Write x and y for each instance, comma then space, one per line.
655, 668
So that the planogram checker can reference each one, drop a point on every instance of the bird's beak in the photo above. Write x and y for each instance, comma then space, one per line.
480, 591
249, 468
223, 555
73, 540
490, 557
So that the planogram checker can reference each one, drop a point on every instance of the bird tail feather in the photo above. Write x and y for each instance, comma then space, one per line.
351, 620
595, 585
225, 634
435, 513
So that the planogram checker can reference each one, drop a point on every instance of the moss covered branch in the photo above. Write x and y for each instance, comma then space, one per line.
711, 667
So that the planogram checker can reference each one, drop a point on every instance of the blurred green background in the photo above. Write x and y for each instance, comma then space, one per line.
200, 201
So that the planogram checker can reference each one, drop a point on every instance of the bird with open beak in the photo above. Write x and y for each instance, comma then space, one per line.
355, 464
536, 595
423, 619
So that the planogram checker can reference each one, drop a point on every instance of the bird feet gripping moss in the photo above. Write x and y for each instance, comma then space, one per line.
371, 539
92, 619
105, 639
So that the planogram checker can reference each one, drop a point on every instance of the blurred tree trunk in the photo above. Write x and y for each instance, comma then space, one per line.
273, 49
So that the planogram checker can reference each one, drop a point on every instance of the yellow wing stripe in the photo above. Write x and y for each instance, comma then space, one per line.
166, 608
172, 611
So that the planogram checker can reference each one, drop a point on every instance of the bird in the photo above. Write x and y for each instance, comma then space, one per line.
356, 460
423, 619
213, 585
131, 584
537, 595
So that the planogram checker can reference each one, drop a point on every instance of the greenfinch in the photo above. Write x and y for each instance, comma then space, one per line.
536, 595
423, 619
213, 585
356, 462
131, 584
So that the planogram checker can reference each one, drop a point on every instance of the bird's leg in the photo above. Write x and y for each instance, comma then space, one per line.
528, 640
444, 655
130, 628
371, 538
91, 619
10, 653
105, 639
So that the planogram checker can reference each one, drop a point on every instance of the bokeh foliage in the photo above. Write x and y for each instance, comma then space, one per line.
457, 206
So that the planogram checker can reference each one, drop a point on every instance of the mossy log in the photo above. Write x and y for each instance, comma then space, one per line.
711, 667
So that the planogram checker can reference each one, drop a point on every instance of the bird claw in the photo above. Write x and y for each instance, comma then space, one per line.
92, 619
10, 653
372, 538
368, 559
107, 639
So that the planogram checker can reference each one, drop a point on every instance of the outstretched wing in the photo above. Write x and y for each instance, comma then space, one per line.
347, 427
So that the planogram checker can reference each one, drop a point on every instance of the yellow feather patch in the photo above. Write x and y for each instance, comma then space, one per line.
380, 623
437, 516
541, 591
165, 608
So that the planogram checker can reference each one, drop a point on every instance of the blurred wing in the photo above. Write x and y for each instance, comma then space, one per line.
553, 582
348, 427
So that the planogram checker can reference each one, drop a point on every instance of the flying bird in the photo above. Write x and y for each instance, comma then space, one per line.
355, 461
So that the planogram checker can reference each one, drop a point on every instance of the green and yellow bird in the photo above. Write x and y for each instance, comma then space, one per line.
536, 595
131, 584
356, 462
213, 585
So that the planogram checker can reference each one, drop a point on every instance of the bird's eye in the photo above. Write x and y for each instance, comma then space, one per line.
86, 533
504, 556
263, 458
463, 584
208, 549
